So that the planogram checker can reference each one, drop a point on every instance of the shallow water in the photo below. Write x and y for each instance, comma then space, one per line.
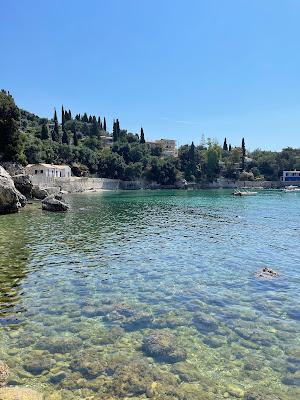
81, 292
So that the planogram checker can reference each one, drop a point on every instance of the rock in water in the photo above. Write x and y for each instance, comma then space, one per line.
54, 203
163, 346
266, 273
4, 373
39, 193
19, 393
10, 198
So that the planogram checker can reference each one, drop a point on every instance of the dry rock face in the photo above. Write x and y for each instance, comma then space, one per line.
21, 180
23, 184
10, 198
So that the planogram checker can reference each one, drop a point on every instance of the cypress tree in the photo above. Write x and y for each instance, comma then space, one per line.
85, 118
75, 139
142, 137
243, 154
70, 115
45, 132
225, 147
55, 132
62, 116
65, 137
115, 133
99, 121
90, 119
104, 124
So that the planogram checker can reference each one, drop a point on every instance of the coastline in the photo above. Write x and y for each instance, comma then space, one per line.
89, 184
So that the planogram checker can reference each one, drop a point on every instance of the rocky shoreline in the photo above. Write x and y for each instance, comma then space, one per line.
16, 189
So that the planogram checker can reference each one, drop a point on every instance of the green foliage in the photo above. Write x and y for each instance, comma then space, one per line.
11, 143
142, 137
45, 132
81, 143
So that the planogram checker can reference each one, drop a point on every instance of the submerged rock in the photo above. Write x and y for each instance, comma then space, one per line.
54, 203
128, 317
59, 344
10, 198
36, 363
4, 373
19, 393
266, 273
204, 322
90, 364
163, 346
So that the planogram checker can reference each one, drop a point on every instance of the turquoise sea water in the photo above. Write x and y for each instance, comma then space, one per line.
152, 294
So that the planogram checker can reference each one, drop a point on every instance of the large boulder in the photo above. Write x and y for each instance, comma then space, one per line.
39, 193
23, 184
54, 203
13, 168
10, 198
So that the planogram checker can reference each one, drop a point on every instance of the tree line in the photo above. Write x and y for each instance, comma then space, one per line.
81, 142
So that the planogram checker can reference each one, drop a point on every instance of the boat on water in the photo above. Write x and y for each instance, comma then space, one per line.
291, 189
241, 192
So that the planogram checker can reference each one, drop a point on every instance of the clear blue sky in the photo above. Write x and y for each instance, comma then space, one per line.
179, 68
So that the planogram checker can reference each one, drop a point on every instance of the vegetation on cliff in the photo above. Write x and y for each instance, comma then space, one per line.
82, 142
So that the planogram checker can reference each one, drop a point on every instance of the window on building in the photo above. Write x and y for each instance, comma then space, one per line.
36, 171
42, 171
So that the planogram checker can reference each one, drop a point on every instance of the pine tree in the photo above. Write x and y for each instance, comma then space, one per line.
62, 116
243, 154
104, 124
142, 137
65, 137
225, 147
45, 132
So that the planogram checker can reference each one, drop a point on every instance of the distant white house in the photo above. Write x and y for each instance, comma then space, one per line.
49, 170
291, 176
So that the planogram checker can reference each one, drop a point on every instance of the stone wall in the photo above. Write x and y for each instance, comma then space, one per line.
75, 184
